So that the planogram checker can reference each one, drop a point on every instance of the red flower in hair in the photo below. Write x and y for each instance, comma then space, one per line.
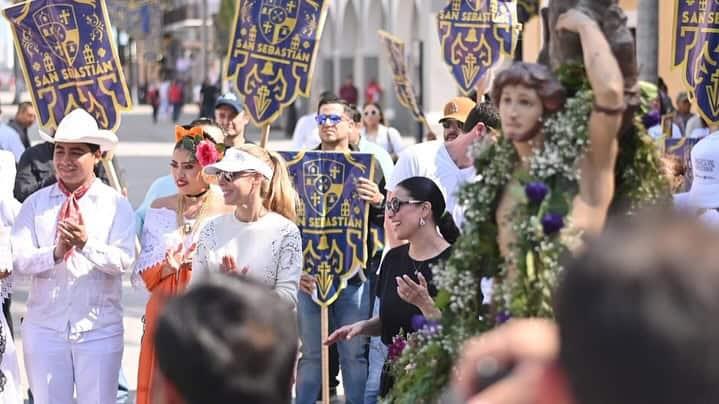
206, 153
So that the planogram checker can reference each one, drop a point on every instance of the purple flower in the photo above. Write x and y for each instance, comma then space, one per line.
503, 316
418, 322
552, 223
394, 351
536, 191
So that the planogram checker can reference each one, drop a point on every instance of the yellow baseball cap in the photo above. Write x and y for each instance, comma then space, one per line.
458, 108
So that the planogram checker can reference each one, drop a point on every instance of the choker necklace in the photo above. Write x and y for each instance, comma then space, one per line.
197, 195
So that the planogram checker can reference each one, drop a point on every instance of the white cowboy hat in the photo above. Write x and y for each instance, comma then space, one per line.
80, 127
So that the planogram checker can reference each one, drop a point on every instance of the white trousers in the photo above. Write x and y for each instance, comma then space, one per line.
10, 367
59, 364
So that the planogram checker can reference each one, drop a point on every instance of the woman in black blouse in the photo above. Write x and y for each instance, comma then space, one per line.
404, 288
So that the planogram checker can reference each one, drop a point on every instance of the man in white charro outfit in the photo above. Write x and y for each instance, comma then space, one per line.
75, 238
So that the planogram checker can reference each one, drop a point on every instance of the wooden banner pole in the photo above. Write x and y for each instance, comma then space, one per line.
324, 319
429, 130
264, 135
111, 172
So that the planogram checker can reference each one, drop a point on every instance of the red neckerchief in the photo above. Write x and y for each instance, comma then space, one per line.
70, 209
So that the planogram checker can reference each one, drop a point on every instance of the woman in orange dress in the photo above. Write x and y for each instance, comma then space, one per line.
169, 235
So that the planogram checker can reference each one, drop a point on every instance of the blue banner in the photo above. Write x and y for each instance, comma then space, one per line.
273, 51
394, 48
474, 35
696, 52
68, 56
331, 216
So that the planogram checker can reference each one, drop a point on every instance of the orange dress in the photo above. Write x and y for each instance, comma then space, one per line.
159, 234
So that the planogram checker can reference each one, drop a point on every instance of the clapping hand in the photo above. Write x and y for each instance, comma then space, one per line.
307, 283
72, 234
176, 257
229, 266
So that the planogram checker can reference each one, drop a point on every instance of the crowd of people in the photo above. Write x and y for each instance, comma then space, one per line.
231, 315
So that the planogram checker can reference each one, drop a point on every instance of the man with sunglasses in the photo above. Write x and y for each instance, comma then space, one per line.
336, 123
449, 162
455, 114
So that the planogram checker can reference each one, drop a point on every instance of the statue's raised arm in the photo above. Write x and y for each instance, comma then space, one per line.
596, 187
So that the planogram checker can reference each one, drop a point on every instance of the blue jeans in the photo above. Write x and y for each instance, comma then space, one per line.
350, 307
377, 358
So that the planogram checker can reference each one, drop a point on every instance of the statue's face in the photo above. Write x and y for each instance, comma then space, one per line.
520, 110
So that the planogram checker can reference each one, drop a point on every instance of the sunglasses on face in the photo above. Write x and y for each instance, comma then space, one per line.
329, 119
394, 204
228, 176
371, 112
451, 122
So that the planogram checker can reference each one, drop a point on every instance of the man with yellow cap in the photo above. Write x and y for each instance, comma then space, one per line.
448, 163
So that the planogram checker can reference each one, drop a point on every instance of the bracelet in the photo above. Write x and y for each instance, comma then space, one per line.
609, 111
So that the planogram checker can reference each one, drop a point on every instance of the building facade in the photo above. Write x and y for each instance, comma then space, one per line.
350, 47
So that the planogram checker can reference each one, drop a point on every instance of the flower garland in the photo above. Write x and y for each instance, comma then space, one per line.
544, 194
193, 139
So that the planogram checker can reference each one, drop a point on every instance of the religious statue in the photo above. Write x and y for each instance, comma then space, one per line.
571, 153
526, 93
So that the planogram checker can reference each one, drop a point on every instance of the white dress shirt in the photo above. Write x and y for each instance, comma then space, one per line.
306, 135
432, 160
10, 141
82, 294
7, 174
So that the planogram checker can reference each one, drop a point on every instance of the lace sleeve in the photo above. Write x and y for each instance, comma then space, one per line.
157, 234
206, 243
289, 265
6, 286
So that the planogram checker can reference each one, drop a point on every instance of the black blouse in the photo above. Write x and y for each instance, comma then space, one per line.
395, 314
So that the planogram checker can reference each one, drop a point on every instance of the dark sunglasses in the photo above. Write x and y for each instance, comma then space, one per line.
394, 204
228, 176
330, 119
448, 123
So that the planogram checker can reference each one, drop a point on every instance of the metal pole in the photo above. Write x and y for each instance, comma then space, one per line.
18, 78
420, 91
204, 39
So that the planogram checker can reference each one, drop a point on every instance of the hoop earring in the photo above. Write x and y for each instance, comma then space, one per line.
421, 222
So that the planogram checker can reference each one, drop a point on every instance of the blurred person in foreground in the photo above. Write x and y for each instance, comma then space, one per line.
635, 326
227, 340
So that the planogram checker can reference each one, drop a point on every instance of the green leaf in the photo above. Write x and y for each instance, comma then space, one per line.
559, 202
442, 299
522, 175
517, 192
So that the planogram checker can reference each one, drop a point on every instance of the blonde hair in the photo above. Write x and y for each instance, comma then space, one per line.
278, 194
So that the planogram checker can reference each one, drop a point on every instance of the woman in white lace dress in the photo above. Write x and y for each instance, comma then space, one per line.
10, 389
260, 239
168, 234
